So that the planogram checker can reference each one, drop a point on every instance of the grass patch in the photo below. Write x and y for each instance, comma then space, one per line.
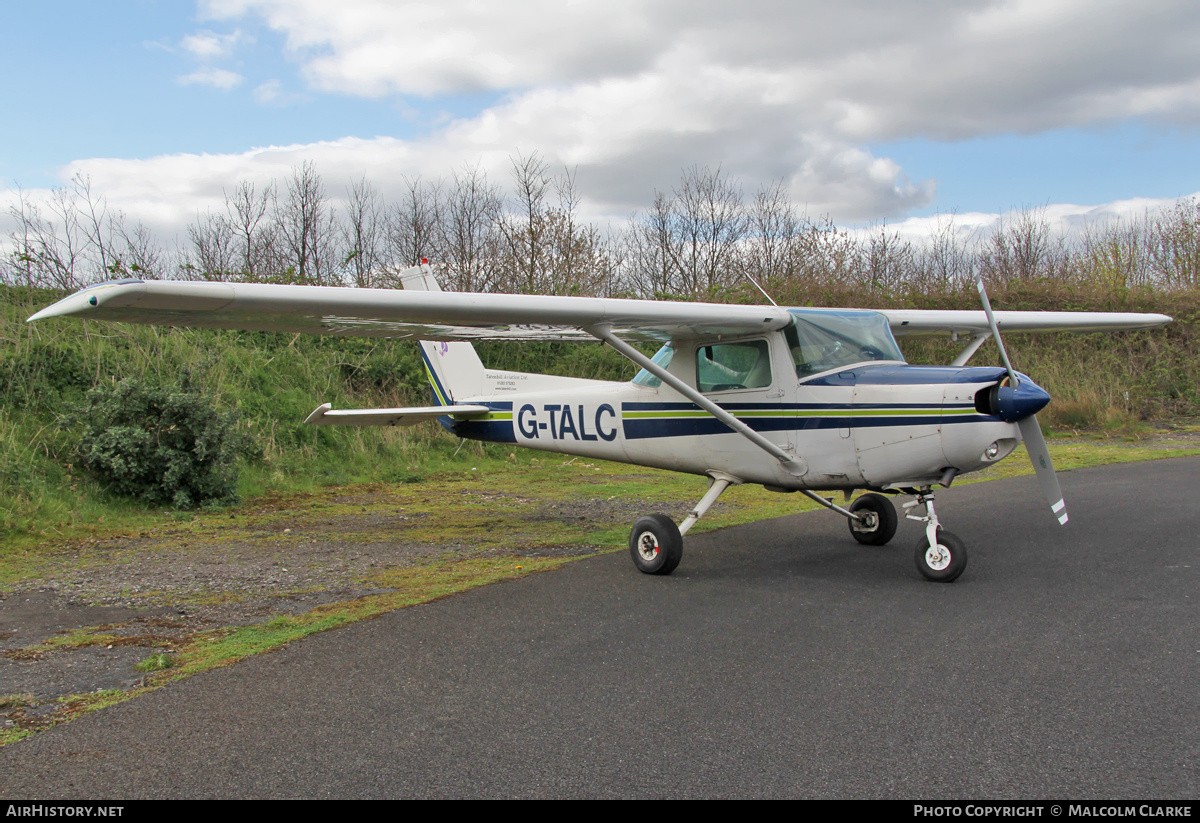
155, 663
15, 701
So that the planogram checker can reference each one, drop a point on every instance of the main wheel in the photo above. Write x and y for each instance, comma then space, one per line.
879, 523
944, 562
656, 544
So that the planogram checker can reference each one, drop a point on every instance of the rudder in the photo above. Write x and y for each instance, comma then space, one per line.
454, 369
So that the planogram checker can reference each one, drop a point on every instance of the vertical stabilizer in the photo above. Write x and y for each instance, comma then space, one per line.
454, 369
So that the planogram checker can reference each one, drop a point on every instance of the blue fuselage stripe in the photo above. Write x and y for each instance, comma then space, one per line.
492, 431
640, 421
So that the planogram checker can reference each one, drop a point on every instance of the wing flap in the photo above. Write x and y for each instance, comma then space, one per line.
324, 415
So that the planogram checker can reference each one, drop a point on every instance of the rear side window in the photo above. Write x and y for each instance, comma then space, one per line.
732, 366
662, 358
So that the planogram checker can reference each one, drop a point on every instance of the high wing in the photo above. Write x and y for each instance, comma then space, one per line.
914, 322
432, 315
420, 315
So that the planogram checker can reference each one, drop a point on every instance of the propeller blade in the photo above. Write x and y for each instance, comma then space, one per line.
1039, 456
987, 309
1031, 430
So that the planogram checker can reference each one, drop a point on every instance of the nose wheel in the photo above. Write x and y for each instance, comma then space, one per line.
944, 561
940, 555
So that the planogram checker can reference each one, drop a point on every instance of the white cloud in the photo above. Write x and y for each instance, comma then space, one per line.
272, 93
217, 78
1066, 220
268, 92
209, 45
629, 92
865, 70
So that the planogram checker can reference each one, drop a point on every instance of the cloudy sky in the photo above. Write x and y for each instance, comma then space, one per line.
868, 112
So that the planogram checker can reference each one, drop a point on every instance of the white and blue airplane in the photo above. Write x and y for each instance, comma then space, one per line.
796, 399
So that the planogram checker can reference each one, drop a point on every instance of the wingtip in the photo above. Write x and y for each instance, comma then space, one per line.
315, 419
54, 310
72, 304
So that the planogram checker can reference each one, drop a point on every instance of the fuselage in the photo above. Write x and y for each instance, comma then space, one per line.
864, 423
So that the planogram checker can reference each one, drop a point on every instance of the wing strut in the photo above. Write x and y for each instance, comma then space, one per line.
972, 347
793, 464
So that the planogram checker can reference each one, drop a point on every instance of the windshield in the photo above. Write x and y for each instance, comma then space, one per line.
825, 340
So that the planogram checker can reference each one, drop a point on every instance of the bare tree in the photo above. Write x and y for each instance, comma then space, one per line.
1116, 254
698, 235
648, 241
523, 265
307, 228
943, 262
774, 233
138, 253
1021, 248
1175, 246
213, 249
580, 260
364, 233
93, 216
66, 245
414, 231
48, 250
246, 217
886, 259
468, 231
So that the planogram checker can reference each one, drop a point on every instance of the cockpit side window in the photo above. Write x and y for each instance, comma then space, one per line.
732, 366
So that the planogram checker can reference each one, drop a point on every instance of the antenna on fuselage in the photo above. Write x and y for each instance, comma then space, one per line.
760, 288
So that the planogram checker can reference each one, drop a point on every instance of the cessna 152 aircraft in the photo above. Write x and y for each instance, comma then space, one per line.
797, 400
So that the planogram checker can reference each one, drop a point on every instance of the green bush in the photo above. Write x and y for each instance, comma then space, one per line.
162, 445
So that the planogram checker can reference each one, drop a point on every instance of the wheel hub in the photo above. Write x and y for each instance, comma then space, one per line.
868, 522
937, 557
647, 545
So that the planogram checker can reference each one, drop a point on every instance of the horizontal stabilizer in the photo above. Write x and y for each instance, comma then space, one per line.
324, 415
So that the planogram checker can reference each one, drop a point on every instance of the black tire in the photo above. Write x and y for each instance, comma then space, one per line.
941, 570
882, 527
655, 544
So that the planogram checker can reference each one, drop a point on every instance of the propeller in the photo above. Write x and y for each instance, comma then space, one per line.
1017, 400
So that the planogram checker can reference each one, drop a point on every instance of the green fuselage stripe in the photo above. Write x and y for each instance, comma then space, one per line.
442, 400
673, 415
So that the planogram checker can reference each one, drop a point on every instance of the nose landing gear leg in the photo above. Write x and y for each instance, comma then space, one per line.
940, 555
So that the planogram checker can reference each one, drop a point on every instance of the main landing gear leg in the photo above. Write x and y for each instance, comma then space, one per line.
872, 517
656, 544
940, 555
